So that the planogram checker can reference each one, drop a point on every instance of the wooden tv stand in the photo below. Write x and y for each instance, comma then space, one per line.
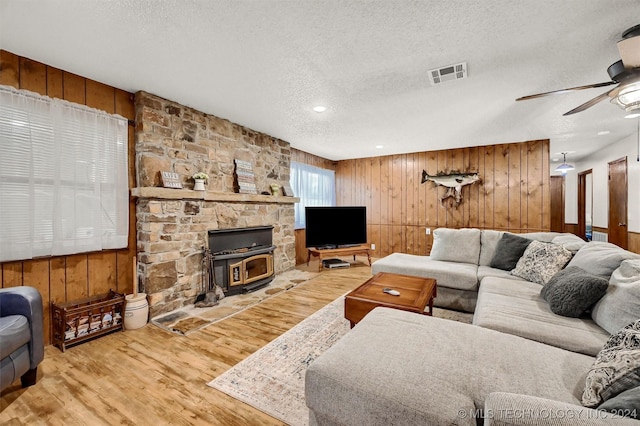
364, 249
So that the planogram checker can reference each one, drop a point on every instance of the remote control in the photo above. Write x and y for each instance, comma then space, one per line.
391, 291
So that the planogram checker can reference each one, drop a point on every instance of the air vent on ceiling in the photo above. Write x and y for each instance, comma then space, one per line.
448, 73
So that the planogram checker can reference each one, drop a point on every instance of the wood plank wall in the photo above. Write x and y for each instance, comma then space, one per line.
313, 160
67, 278
514, 193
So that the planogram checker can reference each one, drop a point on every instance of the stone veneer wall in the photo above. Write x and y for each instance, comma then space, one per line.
171, 233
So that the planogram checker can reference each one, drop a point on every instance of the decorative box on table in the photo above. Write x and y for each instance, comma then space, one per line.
80, 320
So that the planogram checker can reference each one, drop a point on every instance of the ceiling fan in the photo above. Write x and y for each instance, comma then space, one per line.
625, 73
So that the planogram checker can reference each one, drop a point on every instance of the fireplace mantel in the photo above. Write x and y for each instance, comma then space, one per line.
188, 194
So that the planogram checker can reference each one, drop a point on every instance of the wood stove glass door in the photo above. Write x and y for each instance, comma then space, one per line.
258, 267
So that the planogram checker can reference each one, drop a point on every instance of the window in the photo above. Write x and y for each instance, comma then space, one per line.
314, 186
63, 177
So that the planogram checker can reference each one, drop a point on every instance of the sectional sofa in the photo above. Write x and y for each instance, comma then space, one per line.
554, 318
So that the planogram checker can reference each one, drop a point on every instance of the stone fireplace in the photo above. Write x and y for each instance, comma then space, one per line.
173, 224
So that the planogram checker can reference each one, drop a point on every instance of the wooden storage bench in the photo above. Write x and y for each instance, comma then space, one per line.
77, 321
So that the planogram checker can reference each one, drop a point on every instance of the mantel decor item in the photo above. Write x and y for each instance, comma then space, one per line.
275, 190
171, 180
200, 178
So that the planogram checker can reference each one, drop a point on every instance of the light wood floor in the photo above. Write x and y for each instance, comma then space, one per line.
153, 377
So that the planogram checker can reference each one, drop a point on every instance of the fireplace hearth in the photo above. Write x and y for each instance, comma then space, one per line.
240, 259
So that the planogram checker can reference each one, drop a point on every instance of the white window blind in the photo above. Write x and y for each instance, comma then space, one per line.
63, 177
314, 186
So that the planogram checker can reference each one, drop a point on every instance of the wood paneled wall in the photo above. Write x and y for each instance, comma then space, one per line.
312, 160
66, 278
513, 195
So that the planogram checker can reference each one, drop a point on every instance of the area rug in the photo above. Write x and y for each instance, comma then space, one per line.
272, 378
188, 319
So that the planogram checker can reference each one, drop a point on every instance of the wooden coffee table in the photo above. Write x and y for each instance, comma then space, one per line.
415, 294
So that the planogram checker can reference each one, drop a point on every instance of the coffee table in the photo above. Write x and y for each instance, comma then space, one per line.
415, 294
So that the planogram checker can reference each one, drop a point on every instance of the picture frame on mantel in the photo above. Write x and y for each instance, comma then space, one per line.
171, 180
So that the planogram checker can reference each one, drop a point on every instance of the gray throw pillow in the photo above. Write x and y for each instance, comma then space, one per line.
626, 404
572, 291
600, 258
509, 250
616, 368
541, 261
621, 303
456, 245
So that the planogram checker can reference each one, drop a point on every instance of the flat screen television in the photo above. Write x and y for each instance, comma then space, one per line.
334, 227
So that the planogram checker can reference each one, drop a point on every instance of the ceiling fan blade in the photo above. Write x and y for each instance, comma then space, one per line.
571, 89
629, 49
589, 103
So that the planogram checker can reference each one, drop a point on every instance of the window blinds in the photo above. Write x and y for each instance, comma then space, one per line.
63, 177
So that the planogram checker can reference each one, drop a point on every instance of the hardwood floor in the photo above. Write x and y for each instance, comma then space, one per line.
151, 376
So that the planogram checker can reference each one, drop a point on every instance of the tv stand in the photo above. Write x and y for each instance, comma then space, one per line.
363, 249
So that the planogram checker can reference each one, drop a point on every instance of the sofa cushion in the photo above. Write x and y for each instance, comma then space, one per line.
545, 237
461, 276
600, 258
620, 305
14, 332
397, 368
488, 271
616, 368
456, 245
572, 291
541, 261
515, 307
488, 242
508, 251
625, 404
571, 242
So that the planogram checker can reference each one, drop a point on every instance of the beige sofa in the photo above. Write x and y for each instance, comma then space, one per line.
519, 363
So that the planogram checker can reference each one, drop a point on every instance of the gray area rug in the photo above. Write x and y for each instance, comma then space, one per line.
272, 378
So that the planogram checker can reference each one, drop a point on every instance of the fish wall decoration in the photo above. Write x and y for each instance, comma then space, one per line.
453, 181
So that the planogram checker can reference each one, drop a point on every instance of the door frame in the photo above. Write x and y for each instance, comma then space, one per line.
582, 201
625, 243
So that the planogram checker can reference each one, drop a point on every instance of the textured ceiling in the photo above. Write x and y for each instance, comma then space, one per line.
265, 64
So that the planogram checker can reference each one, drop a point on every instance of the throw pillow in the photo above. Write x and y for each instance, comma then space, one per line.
621, 303
616, 368
599, 258
541, 261
456, 245
572, 291
508, 251
626, 404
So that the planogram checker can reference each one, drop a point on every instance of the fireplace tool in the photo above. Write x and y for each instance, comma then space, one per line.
211, 293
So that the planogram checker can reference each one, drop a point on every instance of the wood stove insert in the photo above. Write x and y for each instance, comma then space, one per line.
241, 259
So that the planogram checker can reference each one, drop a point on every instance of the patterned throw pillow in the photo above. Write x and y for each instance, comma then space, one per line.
616, 368
541, 261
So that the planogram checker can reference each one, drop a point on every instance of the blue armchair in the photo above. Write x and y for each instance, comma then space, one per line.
21, 335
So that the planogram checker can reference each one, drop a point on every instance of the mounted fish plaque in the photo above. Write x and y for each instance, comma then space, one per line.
453, 181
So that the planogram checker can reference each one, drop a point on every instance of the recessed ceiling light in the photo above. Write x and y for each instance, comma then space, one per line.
604, 132
319, 108
379, 146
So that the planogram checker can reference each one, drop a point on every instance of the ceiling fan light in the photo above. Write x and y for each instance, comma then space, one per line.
628, 97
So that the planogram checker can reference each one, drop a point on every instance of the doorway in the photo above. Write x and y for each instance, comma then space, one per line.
585, 204
618, 202
557, 203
